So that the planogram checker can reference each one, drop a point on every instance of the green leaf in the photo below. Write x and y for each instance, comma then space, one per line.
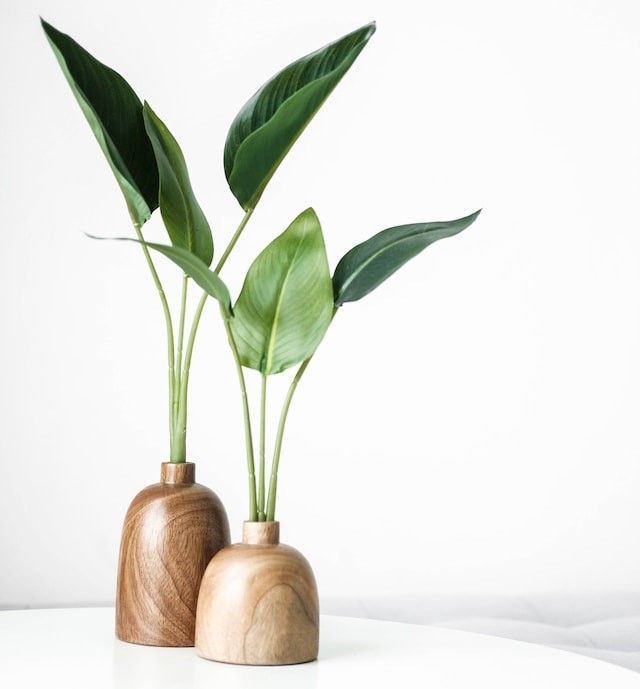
286, 304
183, 217
274, 117
114, 113
194, 267
198, 271
369, 264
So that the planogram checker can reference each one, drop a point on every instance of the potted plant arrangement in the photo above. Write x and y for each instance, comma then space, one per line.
173, 528
258, 602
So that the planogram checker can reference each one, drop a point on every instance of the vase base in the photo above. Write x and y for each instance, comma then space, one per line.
154, 644
258, 603
171, 531
232, 662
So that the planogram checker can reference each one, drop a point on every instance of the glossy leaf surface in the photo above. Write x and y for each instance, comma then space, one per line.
114, 113
369, 264
286, 304
274, 117
182, 215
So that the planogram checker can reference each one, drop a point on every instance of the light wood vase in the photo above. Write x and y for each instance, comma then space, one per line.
258, 602
171, 531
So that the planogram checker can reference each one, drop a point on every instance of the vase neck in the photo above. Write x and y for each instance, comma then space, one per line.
261, 533
183, 472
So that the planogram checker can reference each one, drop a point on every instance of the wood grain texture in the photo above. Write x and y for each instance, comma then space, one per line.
258, 603
171, 531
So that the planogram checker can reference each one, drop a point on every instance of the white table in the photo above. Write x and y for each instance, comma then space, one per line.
76, 648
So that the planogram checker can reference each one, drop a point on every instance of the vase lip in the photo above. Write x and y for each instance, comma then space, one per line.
261, 533
177, 472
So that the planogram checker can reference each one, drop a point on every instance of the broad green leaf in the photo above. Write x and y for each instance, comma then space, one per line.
369, 264
183, 217
114, 113
274, 117
286, 304
194, 267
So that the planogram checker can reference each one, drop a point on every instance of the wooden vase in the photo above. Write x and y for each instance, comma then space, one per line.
258, 602
171, 531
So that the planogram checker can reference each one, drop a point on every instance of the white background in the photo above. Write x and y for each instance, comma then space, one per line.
471, 427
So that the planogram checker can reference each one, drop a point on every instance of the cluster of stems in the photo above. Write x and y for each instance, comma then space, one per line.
179, 361
262, 505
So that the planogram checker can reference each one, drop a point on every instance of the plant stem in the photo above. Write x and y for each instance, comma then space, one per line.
273, 482
179, 377
232, 243
275, 464
178, 363
179, 400
261, 482
168, 322
186, 366
181, 420
203, 299
248, 436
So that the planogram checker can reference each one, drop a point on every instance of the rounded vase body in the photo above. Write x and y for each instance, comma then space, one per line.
171, 531
258, 603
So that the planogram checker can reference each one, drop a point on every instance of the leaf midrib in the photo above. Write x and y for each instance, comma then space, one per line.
373, 256
273, 329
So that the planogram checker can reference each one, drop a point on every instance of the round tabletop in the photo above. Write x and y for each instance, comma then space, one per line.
76, 648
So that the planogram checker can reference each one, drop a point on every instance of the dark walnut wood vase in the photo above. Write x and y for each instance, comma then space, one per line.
171, 531
258, 602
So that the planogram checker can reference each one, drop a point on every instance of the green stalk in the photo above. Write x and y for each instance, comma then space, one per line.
188, 354
179, 444
181, 420
273, 482
178, 361
196, 318
248, 436
183, 309
232, 243
169, 326
275, 464
261, 481
179, 401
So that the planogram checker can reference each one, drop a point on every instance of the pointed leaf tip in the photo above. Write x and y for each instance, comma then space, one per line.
370, 263
270, 122
286, 302
114, 113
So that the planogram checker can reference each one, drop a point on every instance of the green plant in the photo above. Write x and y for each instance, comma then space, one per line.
151, 172
289, 297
